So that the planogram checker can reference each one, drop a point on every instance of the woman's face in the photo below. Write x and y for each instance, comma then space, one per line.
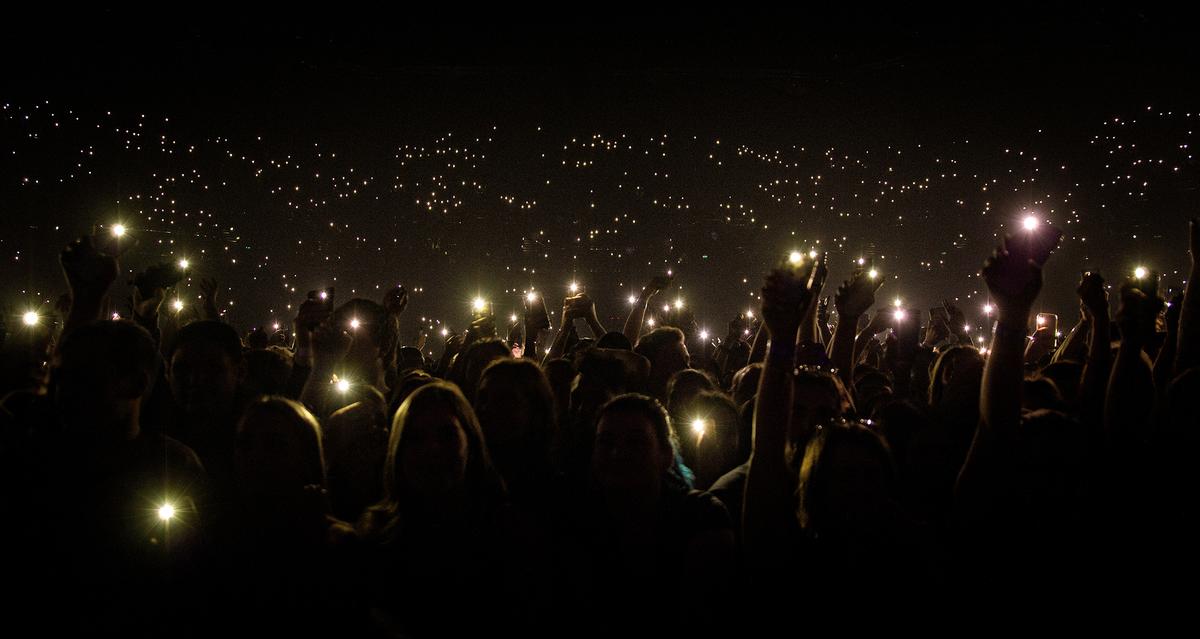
434, 459
627, 455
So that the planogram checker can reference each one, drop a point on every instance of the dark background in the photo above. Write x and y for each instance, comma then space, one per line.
972, 97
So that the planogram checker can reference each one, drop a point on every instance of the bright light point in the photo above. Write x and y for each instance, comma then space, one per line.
633, 299
703, 334
324, 295
531, 297
795, 257
177, 305
343, 385
184, 263
1040, 320
574, 287
354, 323
1140, 272
872, 273
899, 314
897, 302
650, 322
861, 261
678, 303
275, 326
116, 316
30, 318
445, 332
750, 314
979, 339
666, 308
166, 512
1030, 223
1058, 333
988, 308
698, 426
478, 304
966, 328
513, 318
746, 331
812, 255
118, 230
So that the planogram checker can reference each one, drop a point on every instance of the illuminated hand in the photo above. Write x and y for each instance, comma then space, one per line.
785, 296
1014, 281
856, 295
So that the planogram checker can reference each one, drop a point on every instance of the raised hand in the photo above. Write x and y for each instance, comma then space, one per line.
330, 344
1014, 278
1138, 312
656, 285
536, 317
936, 331
147, 307
785, 297
957, 318
856, 295
1174, 309
209, 290
1093, 297
396, 300
90, 272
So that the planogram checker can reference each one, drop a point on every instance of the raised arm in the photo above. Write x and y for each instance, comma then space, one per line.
1014, 281
1130, 398
1093, 299
768, 499
637, 312
90, 273
853, 298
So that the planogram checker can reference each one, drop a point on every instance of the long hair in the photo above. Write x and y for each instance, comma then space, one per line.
484, 487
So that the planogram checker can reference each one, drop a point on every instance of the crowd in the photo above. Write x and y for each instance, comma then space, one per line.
169, 476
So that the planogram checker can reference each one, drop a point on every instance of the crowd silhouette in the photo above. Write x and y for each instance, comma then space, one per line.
168, 474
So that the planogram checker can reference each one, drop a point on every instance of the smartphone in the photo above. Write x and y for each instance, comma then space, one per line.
1048, 321
483, 313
